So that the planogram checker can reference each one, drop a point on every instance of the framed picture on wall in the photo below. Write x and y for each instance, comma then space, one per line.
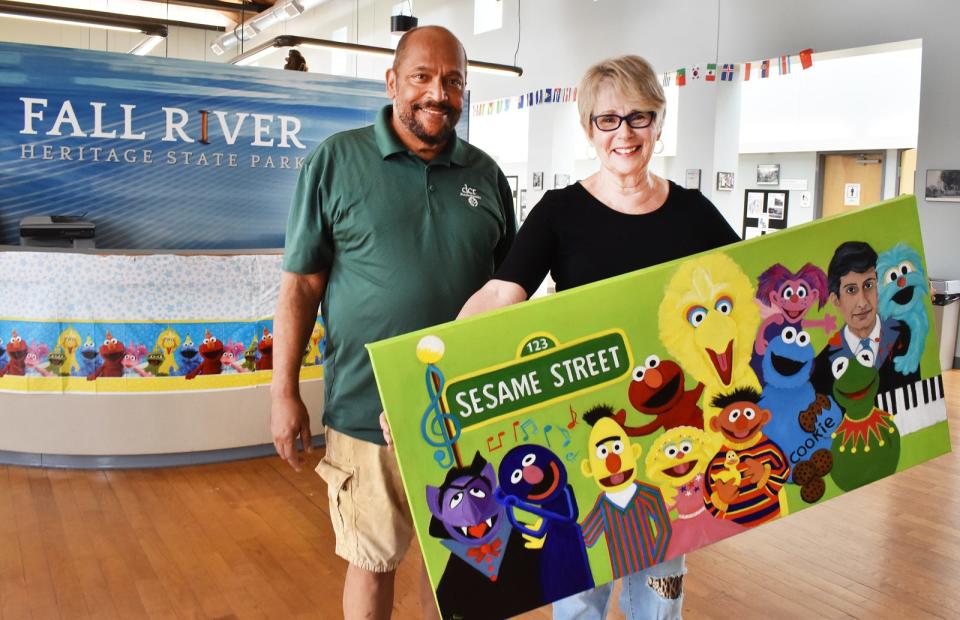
942, 186
561, 180
768, 174
537, 183
693, 178
725, 181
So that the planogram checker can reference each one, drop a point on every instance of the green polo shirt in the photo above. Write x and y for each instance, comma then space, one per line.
405, 242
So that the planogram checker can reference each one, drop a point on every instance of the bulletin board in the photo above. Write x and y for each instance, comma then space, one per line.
764, 211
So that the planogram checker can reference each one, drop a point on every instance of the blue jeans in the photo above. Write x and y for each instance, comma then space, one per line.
638, 600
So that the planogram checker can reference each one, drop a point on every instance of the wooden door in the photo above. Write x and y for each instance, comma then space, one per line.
843, 173
908, 171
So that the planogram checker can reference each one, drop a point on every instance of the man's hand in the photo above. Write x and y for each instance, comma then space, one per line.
288, 419
385, 427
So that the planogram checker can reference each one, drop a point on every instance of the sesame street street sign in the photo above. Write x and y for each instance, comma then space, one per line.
567, 441
539, 378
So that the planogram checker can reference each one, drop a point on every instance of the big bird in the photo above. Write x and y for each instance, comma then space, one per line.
707, 322
168, 341
69, 341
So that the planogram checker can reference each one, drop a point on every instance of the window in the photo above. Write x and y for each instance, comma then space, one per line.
487, 15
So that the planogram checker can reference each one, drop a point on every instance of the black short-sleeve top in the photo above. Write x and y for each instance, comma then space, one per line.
579, 240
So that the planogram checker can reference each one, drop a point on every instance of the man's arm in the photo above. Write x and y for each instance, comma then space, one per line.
300, 296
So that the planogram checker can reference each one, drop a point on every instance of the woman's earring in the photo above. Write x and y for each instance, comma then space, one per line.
658, 144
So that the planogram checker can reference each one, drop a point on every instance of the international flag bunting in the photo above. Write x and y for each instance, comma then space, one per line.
665, 80
711, 72
726, 74
784, 65
681, 77
746, 71
806, 58
556, 95
520, 103
765, 69
695, 72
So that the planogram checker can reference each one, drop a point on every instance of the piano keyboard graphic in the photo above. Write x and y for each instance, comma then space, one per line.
915, 406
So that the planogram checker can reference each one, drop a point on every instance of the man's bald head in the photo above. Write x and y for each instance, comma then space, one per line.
427, 35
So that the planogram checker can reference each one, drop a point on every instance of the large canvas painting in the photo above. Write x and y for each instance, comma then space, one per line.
568, 441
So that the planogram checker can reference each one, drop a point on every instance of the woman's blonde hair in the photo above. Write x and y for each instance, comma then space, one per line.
630, 76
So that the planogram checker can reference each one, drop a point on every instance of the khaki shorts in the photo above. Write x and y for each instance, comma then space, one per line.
368, 508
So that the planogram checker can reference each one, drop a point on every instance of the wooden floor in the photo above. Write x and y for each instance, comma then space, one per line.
252, 539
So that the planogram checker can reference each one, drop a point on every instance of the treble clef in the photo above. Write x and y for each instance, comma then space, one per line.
439, 428
438, 421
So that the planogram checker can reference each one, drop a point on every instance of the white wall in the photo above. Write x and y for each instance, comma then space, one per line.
869, 100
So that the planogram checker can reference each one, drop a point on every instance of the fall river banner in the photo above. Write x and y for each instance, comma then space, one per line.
567, 441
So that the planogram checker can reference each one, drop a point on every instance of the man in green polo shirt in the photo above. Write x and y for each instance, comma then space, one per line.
393, 227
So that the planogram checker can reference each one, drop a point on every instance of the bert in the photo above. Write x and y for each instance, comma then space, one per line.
631, 514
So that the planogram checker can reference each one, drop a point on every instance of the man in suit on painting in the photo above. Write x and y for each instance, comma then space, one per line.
852, 281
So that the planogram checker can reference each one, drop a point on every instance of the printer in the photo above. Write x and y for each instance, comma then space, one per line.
57, 231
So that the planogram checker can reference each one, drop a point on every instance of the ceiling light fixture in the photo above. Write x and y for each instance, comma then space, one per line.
402, 23
146, 46
67, 22
258, 53
265, 48
94, 19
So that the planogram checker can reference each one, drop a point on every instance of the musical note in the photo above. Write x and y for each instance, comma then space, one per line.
527, 424
566, 437
515, 425
546, 433
570, 456
435, 425
499, 441
573, 418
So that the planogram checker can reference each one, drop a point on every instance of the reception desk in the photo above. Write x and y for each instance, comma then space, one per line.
131, 359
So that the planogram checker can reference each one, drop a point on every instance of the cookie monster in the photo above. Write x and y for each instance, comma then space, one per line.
89, 358
189, 356
802, 421
490, 573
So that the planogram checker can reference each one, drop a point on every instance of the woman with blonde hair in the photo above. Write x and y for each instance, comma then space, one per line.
620, 219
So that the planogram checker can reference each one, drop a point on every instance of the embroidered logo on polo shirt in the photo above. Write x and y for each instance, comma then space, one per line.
470, 194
